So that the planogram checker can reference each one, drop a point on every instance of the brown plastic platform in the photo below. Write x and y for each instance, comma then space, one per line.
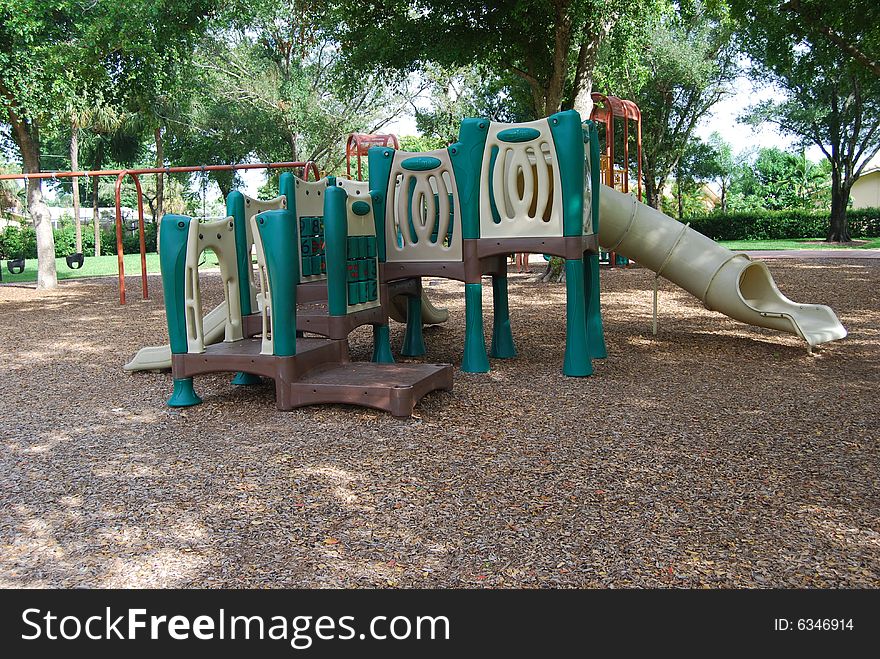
395, 388
313, 317
321, 372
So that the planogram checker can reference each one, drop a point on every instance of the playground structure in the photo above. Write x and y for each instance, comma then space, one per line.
607, 109
358, 145
332, 254
134, 174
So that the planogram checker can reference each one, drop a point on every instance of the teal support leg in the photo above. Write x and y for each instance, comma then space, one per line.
278, 233
413, 340
577, 355
184, 395
595, 331
475, 359
502, 336
245, 379
382, 345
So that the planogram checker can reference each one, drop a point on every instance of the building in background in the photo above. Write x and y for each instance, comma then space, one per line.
865, 191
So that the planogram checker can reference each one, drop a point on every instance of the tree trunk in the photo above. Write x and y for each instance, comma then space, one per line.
839, 229
653, 190
96, 220
74, 165
583, 79
27, 136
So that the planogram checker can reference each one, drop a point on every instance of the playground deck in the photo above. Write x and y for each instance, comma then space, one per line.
714, 454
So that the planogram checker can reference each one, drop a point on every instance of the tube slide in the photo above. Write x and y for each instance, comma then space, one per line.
723, 280
154, 358
431, 315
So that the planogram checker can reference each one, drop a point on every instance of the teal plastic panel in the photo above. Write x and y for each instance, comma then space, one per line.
172, 262
568, 139
518, 135
467, 159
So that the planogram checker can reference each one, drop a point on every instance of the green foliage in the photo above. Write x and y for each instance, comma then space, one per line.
777, 180
830, 99
421, 143
18, 242
689, 62
783, 224
21, 242
547, 47
270, 85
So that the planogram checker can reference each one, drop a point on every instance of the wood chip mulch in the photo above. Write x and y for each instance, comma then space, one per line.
712, 455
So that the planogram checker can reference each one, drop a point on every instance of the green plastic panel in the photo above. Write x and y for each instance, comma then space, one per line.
379, 159
502, 334
592, 135
467, 160
235, 208
278, 233
518, 135
360, 208
568, 138
474, 359
335, 248
577, 354
172, 262
382, 345
595, 330
413, 339
420, 164
287, 187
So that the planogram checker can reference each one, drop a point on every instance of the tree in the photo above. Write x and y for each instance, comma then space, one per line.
722, 166
830, 99
551, 46
35, 57
466, 91
693, 169
691, 59
836, 23
271, 85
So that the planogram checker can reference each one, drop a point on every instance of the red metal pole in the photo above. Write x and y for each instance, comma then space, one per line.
639, 143
119, 249
626, 153
143, 245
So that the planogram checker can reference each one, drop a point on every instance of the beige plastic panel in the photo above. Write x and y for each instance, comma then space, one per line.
267, 346
252, 207
522, 181
360, 225
428, 213
218, 236
309, 203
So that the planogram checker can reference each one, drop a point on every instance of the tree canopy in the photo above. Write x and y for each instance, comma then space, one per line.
830, 99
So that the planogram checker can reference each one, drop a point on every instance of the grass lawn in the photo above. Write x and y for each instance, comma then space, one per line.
796, 243
101, 266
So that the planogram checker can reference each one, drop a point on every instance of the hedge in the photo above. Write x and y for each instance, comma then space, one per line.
21, 242
783, 224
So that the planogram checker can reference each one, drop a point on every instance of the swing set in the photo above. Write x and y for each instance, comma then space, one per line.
308, 167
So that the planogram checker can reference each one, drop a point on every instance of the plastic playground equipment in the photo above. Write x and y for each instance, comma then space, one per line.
609, 113
334, 255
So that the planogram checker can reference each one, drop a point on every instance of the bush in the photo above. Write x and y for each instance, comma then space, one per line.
18, 243
783, 224
21, 242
